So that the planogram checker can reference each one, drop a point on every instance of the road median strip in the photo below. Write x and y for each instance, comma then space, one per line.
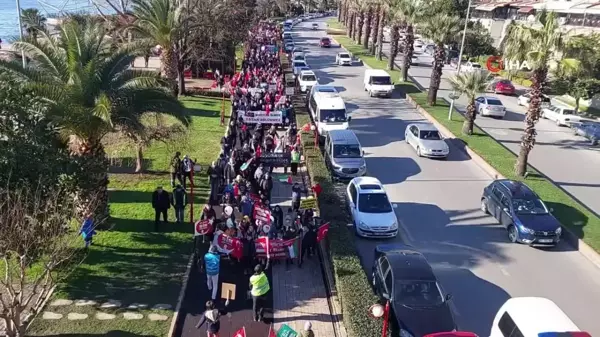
581, 224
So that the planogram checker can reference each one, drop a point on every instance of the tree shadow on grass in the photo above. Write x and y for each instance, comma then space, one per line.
130, 275
406, 88
578, 221
121, 196
148, 226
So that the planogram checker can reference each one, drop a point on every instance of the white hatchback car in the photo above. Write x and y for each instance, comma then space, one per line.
426, 140
307, 80
343, 58
372, 212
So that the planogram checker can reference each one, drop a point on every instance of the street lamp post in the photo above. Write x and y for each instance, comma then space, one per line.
21, 30
460, 53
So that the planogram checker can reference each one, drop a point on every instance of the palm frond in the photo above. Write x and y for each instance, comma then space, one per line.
138, 101
471, 83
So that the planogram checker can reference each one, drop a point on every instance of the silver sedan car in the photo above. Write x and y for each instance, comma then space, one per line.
426, 140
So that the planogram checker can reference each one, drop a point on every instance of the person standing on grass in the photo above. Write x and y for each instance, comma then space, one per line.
161, 204
179, 201
211, 316
259, 287
187, 165
176, 169
87, 231
212, 261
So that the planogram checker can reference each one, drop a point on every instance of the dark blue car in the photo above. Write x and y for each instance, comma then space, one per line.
524, 215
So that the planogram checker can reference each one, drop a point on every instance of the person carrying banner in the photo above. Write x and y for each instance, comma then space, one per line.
259, 287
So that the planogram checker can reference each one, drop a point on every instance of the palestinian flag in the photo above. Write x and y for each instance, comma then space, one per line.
294, 247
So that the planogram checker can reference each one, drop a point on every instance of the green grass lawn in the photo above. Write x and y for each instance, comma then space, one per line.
132, 262
570, 212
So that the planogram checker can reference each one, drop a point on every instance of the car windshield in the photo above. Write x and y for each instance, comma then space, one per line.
299, 64
505, 83
346, 151
309, 78
430, 135
326, 40
568, 112
344, 56
381, 80
494, 102
529, 206
337, 115
374, 203
418, 293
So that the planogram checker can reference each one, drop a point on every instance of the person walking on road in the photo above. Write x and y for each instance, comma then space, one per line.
212, 317
179, 201
161, 204
176, 169
259, 287
212, 262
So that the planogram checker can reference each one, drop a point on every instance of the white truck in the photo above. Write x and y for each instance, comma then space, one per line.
377, 82
561, 115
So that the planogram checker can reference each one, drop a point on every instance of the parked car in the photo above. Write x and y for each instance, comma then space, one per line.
372, 212
298, 56
343, 58
315, 26
561, 115
418, 307
525, 216
325, 42
524, 99
426, 140
289, 46
298, 66
503, 87
490, 106
307, 80
591, 131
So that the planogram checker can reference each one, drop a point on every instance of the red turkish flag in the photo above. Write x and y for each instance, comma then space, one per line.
272, 331
268, 109
240, 333
322, 232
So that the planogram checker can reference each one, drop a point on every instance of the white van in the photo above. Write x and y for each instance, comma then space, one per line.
328, 109
378, 82
530, 316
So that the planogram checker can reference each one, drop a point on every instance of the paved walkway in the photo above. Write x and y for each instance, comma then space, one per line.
299, 294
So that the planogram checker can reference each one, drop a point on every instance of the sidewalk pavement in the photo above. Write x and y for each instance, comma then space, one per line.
299, 294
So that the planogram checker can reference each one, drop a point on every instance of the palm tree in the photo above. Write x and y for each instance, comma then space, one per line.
383, 12
362, 7
470, 84
540, 47
33, 21
441, 29
160, 22
368, 24
373, 30
90, 90
409, 11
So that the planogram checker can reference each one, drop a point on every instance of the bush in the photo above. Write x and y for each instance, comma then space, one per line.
352, 284
205, 93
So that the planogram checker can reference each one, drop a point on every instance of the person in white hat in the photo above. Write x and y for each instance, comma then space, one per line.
307, 331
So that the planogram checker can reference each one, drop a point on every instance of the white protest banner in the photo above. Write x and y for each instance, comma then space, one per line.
253, 117
289, 90
272, 87
254, 91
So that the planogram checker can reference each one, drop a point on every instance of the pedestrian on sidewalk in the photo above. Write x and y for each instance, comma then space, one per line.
307, 332
161, 202
179, 201
259, 287
212, 261
297, 191
212, 317
176, 169
295, 161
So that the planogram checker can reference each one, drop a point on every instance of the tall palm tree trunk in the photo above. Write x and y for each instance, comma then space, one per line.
373, 30
339, 12
379, 52
355, 23
92, 195
394, 39
368, 23
350, 24
471, 114
436, 74
408, 51
531, 118
169, 63
361, 25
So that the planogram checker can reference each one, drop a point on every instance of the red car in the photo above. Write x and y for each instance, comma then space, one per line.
504, 87
325, 42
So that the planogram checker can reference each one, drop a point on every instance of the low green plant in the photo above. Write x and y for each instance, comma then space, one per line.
351, 282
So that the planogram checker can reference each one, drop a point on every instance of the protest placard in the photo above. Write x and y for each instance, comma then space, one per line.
308, 203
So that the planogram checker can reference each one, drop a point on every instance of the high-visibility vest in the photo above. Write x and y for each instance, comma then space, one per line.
295, 157
260, 284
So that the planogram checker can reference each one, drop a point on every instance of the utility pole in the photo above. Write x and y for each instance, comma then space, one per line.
21, 31
460, 53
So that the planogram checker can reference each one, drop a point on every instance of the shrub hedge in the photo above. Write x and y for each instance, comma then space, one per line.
206, 93
352, 284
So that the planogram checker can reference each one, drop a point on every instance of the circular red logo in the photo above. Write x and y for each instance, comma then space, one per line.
494, 64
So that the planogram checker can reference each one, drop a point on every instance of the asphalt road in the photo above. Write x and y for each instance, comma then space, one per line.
554, 145
437, 203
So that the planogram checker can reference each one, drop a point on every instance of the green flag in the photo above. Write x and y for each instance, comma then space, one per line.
286, 331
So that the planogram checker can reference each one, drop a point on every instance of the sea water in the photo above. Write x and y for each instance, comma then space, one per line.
9, 18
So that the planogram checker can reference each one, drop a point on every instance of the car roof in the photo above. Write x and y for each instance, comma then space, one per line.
490, 97
408, 263
325, 88
307, 72
344, 52
425, 126
369, 183
377, 72
343, 137
325, 38
537, 314
517, 189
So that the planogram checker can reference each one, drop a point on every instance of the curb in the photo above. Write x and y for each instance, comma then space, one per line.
568, 236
